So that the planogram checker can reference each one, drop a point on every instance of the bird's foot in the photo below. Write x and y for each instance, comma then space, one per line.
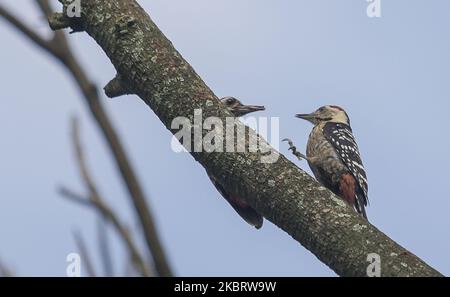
293, 148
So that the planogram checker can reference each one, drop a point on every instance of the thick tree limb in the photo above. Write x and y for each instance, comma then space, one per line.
151, 67
60, 49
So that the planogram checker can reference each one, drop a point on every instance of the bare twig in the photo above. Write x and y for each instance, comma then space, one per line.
79, 241
104, 248
45, 7
94, 199
5, 271
110, 216
59, 48
26, 30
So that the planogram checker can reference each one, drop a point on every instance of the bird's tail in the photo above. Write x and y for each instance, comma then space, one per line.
360, 207
239, 205
247, 213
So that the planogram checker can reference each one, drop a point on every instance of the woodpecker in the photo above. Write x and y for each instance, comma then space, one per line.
240, 206
333, 156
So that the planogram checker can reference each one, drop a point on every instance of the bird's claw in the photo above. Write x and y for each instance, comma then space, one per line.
291, 144
293, 148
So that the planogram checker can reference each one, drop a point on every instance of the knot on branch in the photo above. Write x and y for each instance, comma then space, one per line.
124, 25
116, 87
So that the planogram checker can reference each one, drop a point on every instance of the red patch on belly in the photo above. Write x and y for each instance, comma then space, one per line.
347, 188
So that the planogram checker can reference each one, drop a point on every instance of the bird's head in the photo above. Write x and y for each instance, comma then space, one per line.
237, 108
327, 113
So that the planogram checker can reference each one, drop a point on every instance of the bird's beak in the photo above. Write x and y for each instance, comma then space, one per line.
244, 109
310, 117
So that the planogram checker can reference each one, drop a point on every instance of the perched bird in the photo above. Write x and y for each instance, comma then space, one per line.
237, 108
240, 206
333, 155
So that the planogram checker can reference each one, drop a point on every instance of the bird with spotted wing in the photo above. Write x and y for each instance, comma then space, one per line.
333, 156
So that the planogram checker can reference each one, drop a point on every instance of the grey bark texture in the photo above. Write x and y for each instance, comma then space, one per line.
148, 65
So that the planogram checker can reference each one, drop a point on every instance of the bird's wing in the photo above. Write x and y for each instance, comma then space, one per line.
343, 141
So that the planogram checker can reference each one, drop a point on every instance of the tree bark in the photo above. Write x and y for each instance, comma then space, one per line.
148, 65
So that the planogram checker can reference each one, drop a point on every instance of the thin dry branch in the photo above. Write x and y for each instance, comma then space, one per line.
59, 48
104, 248
81, 245
26, 30
94, 199
45, 7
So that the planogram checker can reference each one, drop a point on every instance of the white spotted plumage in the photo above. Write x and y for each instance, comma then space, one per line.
347, 148
333, 155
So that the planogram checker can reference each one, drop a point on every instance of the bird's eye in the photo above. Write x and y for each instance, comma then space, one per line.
321, 109
231, 100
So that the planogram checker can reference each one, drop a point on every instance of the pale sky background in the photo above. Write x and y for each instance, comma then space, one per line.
391, 74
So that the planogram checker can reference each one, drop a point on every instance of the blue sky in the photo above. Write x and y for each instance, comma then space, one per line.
390, 74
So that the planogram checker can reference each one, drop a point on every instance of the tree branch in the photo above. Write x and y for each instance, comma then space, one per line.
59, 48
27, 31
104, 248
110, 216
79, 241
99, 203
152, 68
